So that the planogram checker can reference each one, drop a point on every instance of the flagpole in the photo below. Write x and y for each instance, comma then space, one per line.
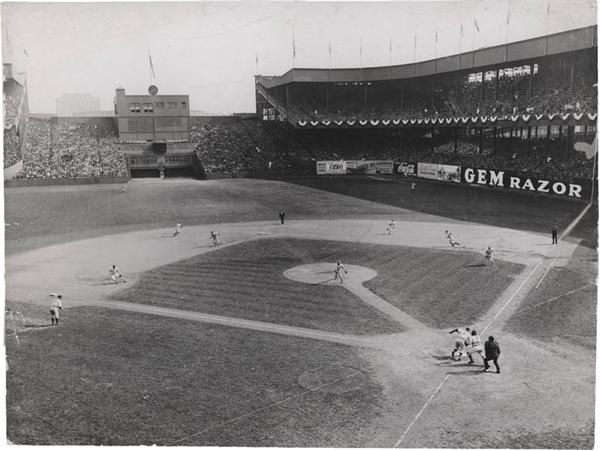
547, 16
293, 47
507, 22
435, 47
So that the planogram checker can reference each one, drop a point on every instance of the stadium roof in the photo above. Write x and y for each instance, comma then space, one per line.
552, 44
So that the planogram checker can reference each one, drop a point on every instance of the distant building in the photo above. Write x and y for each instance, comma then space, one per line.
156, 118
77, 105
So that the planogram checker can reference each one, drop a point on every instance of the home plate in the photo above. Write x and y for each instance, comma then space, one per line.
324, 274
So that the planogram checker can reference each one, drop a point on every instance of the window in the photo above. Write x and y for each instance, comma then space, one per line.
171, 105
134, 107
183, 104
159, 105
148, 108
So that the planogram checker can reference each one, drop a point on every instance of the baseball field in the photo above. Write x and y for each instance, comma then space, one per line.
256, 343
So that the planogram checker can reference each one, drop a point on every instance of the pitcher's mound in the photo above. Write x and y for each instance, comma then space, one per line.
324, 273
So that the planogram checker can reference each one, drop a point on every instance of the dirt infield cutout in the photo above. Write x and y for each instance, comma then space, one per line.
324, 274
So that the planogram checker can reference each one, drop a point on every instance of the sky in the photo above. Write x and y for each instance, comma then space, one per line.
209, 50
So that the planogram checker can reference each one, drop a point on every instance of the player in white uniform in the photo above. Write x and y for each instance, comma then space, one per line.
338, 271
450, 238
55, 307
475, 347
391, 226
463, 340
215, 238
116, 275
489, 255
177, 229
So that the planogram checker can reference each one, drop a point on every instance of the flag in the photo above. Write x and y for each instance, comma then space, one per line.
462, 30
390, 45
548, 9
25, 52
475, 24
436, 36
330, 49
151, 65
293, 43
589, 150
508, 16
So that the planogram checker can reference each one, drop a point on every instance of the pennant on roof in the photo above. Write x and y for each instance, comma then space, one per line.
589, 150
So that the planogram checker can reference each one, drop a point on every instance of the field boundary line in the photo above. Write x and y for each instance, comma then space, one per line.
552, 299
543, 276
233, 420
568, 230
411, 424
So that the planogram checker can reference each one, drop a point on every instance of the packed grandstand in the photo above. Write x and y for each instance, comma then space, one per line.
524, 116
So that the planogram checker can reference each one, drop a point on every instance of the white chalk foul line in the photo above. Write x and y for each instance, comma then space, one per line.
518, 312
542, 278
439, 387
249, 414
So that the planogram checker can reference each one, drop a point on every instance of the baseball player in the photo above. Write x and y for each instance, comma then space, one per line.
177, 229
55, 307
215, 238
116, 275
391, 226
475, 347
338, 271
489, 255
460, 344
450, 238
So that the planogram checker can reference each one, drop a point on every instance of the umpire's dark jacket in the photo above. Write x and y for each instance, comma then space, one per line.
492, 350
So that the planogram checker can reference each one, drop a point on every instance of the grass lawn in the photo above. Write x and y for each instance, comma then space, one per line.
440, 288
564, 306
499, 208
106, 377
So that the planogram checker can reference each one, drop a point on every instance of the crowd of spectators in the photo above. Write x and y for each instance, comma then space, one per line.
11, 148
56, 149
12, 104
543, 161
236, 146
549, 95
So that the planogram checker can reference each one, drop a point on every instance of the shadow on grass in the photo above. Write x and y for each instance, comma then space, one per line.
475, 265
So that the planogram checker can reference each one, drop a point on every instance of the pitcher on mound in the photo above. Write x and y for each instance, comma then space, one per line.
338, 271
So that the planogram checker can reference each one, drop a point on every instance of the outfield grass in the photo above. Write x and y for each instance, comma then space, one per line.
564, 306
106, 377
499, 208
57, 214
440, 288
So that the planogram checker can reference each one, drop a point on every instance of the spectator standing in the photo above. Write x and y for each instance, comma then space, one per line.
555, 234
282, 216
492, 352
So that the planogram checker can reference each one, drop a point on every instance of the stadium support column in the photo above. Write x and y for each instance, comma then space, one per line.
402, 96
365, 94
529, 139
287, 96
497, 87
480, 141
495, 138
455, 141
327, 97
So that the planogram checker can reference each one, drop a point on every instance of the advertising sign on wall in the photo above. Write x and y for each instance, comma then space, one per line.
515, 180
427, 170
406, 169
331, 167
448, 173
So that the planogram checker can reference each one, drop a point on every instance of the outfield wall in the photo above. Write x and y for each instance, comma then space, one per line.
572, 188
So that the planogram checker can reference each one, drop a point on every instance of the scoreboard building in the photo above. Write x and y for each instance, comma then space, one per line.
156, 118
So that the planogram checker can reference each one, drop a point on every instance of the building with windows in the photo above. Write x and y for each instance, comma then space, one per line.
77, 105
159, 118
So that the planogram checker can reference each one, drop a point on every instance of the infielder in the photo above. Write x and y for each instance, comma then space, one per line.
55, 307
338, 271
489, 255
215, 238
450, 238
116, 275
391, 226
177, 229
